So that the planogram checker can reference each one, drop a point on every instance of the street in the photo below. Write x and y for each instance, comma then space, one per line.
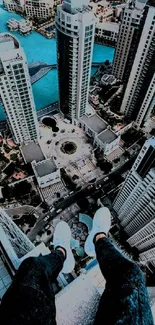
80, 195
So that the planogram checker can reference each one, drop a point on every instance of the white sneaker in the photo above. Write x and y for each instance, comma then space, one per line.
101, 223
62, 237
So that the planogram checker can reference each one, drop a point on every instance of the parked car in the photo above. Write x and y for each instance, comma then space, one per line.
46, 218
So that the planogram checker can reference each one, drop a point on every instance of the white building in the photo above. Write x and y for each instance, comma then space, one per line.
127, 40
75, 26
25, 26
135, 203
49, 180
12, 24
46, 172
138, 100
16, 92
107, 32
40, 9
14, 5
102, 10
104, 138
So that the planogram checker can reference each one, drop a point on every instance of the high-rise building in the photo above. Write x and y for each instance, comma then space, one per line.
128, 39
14, 248
16, 91
138, 100
75, 26
135, 203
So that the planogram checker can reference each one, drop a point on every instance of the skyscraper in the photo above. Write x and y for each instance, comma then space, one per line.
18, 240
128, 40
138, 100
135, 203
14, 248
16, 92
75, 25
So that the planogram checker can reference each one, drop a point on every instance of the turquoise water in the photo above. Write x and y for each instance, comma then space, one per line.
38, 48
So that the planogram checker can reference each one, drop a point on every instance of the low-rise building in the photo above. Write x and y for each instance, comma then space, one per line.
102, 10
46, 172
49, 180
14, 5
25, 26
108, 79
39, 9
12, 25
104, 138
107, 32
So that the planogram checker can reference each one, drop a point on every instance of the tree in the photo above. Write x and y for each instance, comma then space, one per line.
13, 156
105, 166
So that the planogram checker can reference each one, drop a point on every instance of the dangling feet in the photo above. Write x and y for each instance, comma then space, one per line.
61, 239
101, 224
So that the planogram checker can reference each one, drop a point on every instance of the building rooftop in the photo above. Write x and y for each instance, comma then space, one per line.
95, 123
45, 167
8, 42
107, 136
32, 151
113, 27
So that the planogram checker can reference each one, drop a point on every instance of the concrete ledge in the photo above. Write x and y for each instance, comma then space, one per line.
77, 304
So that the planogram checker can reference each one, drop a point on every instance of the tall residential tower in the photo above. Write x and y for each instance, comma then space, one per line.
75, 25
16, 91
135, 203
139, 99
128, 40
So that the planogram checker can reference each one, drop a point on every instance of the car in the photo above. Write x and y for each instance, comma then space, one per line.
71, 192
89, 187
46, 218
47, 227
98, 186
59, 210
52, 210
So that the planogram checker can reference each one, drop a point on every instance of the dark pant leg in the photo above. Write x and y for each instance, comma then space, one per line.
30, 298
125, 299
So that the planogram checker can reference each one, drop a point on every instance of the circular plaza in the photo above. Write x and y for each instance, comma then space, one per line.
65, 142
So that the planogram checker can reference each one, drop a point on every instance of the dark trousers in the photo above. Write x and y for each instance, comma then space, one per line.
30, 299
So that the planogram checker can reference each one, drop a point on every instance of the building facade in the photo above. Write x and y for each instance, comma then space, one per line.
138, 100
39, 9
16, 92
107, 32
14, 248
14, 5
75, 26
128, 39
135, 203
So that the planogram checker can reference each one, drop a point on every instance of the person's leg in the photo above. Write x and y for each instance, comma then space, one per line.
125, 293
125, 299
30, 298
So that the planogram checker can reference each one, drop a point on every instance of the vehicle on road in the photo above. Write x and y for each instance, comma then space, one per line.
47, 227
59, 210
52, 210
46, 218
89, 187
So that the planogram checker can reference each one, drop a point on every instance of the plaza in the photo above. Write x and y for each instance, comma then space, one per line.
70, 148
